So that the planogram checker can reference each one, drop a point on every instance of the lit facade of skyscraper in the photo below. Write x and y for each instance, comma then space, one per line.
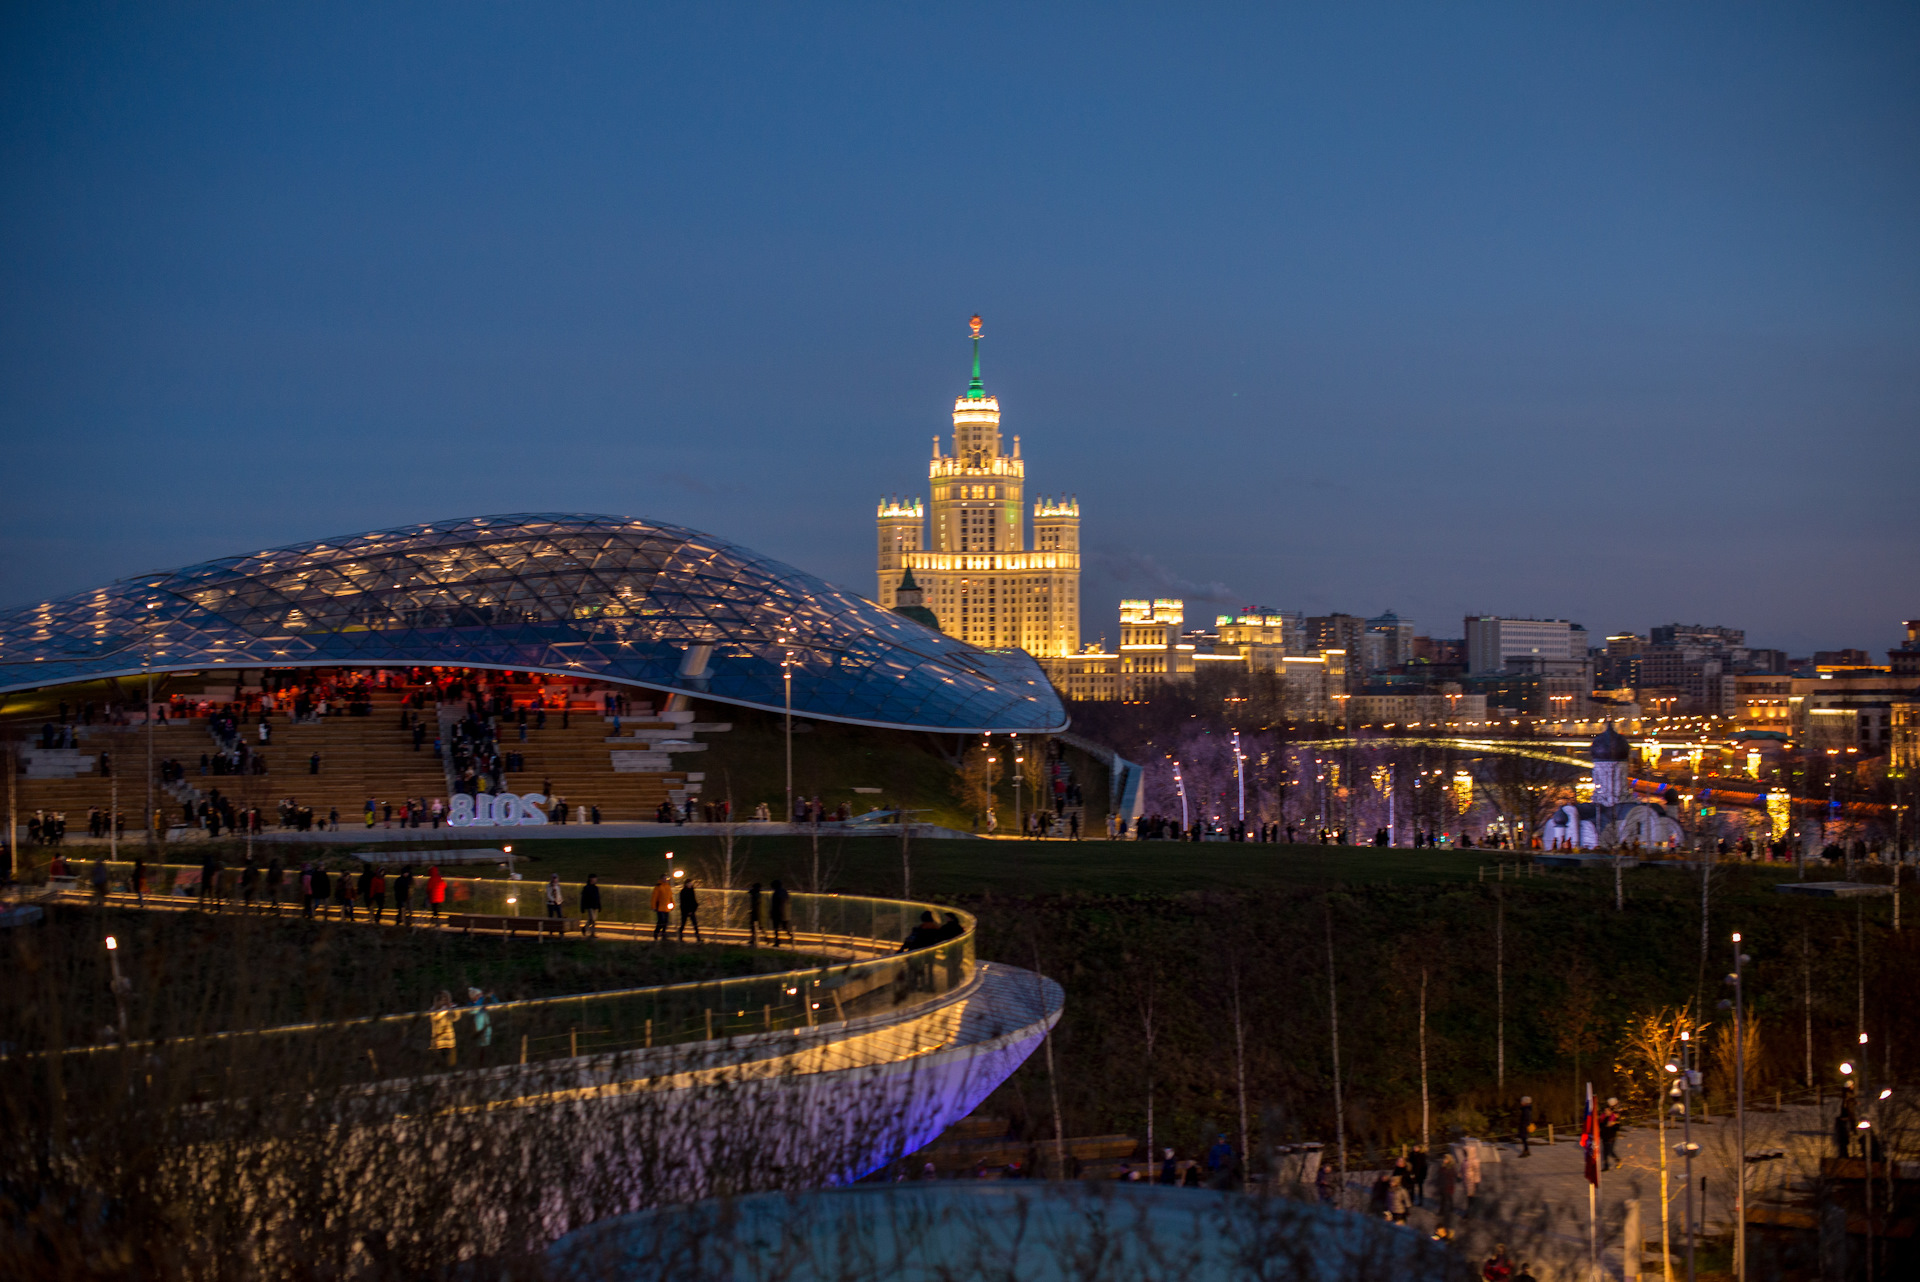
977, 574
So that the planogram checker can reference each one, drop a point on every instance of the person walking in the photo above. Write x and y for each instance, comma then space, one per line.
140, 882
482, 1021
322, 891
1417, 1166
1609, 1122
343, 892
781, 922
662, 906
690, 911
1326, 1183
1449, 1187
1220, 1163
249, 883
99, 878
1526, 1126
756, 915
377, 896
403, 897
441, 1027
1398, 1199
436, 891
555, 897
590, 906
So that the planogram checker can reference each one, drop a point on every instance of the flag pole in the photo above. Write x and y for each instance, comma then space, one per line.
1592, 1141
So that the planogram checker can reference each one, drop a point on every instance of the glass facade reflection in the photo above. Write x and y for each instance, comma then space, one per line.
602, 597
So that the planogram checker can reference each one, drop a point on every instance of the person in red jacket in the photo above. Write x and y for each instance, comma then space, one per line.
436, 891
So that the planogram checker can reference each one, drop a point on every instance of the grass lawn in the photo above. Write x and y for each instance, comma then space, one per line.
968, 868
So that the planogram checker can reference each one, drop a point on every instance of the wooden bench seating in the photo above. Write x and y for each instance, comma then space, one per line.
539, 925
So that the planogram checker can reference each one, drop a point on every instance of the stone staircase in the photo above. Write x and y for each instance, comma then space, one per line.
68, 780
623, 765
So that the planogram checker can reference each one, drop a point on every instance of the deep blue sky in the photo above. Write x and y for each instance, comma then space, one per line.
1600, 312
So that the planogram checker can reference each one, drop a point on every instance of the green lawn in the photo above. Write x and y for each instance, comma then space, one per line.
967, 868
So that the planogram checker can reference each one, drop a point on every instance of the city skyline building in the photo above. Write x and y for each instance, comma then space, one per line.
977, 576
1494, 642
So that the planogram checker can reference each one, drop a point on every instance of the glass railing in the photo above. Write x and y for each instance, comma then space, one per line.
867, 976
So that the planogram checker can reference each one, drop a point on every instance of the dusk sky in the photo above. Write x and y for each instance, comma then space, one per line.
1601, 312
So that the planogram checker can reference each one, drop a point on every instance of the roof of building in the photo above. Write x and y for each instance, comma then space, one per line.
1611, 745
1040, 1230
571, 594
908, 598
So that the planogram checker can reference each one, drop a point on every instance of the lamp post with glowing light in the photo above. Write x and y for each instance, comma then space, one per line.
1738, 1005
119, 982
1239, 778
1019, 760
1180, 788
1686, 1082
786, 683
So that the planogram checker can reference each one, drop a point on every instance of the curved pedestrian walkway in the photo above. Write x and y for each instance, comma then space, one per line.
844, 1065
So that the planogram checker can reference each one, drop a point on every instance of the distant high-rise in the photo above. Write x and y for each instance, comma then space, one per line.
1395, 640
1335, 632
1492, 641
978, 577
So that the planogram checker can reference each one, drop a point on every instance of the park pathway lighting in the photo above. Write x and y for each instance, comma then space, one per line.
120, 985
1740, 960
786, 686
1019, 760
1686, 1082
1239, 778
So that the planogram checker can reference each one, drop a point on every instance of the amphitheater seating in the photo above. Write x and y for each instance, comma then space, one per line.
577, 761
363, 757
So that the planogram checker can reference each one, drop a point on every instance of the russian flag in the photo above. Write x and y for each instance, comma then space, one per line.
1590, 1138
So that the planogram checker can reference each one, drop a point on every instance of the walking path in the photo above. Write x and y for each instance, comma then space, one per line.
1547, 1191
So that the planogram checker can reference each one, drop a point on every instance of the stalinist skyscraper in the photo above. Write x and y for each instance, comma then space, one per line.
977, 576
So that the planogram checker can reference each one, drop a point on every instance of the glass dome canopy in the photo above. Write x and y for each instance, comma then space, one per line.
603, 597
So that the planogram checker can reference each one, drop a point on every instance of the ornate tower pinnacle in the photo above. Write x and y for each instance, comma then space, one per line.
976, 390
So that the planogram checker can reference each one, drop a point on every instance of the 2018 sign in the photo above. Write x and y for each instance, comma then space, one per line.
497, 809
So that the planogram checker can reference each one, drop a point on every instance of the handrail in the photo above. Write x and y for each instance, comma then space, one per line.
653, 1015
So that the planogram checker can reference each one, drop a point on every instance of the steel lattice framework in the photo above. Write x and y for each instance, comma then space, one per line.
606, 597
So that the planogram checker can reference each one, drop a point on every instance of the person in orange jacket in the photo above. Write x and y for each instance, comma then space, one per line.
662, 906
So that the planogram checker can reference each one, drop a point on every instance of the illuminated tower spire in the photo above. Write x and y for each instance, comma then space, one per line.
975, 391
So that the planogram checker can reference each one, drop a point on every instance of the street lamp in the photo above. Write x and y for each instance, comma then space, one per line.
786, 685
119, 982
1239, 780
1019, 759
1740, 1109
1688, 1083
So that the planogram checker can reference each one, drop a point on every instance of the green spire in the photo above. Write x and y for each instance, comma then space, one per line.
975, 391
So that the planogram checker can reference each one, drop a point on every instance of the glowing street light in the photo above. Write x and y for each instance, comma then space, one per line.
119, 984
